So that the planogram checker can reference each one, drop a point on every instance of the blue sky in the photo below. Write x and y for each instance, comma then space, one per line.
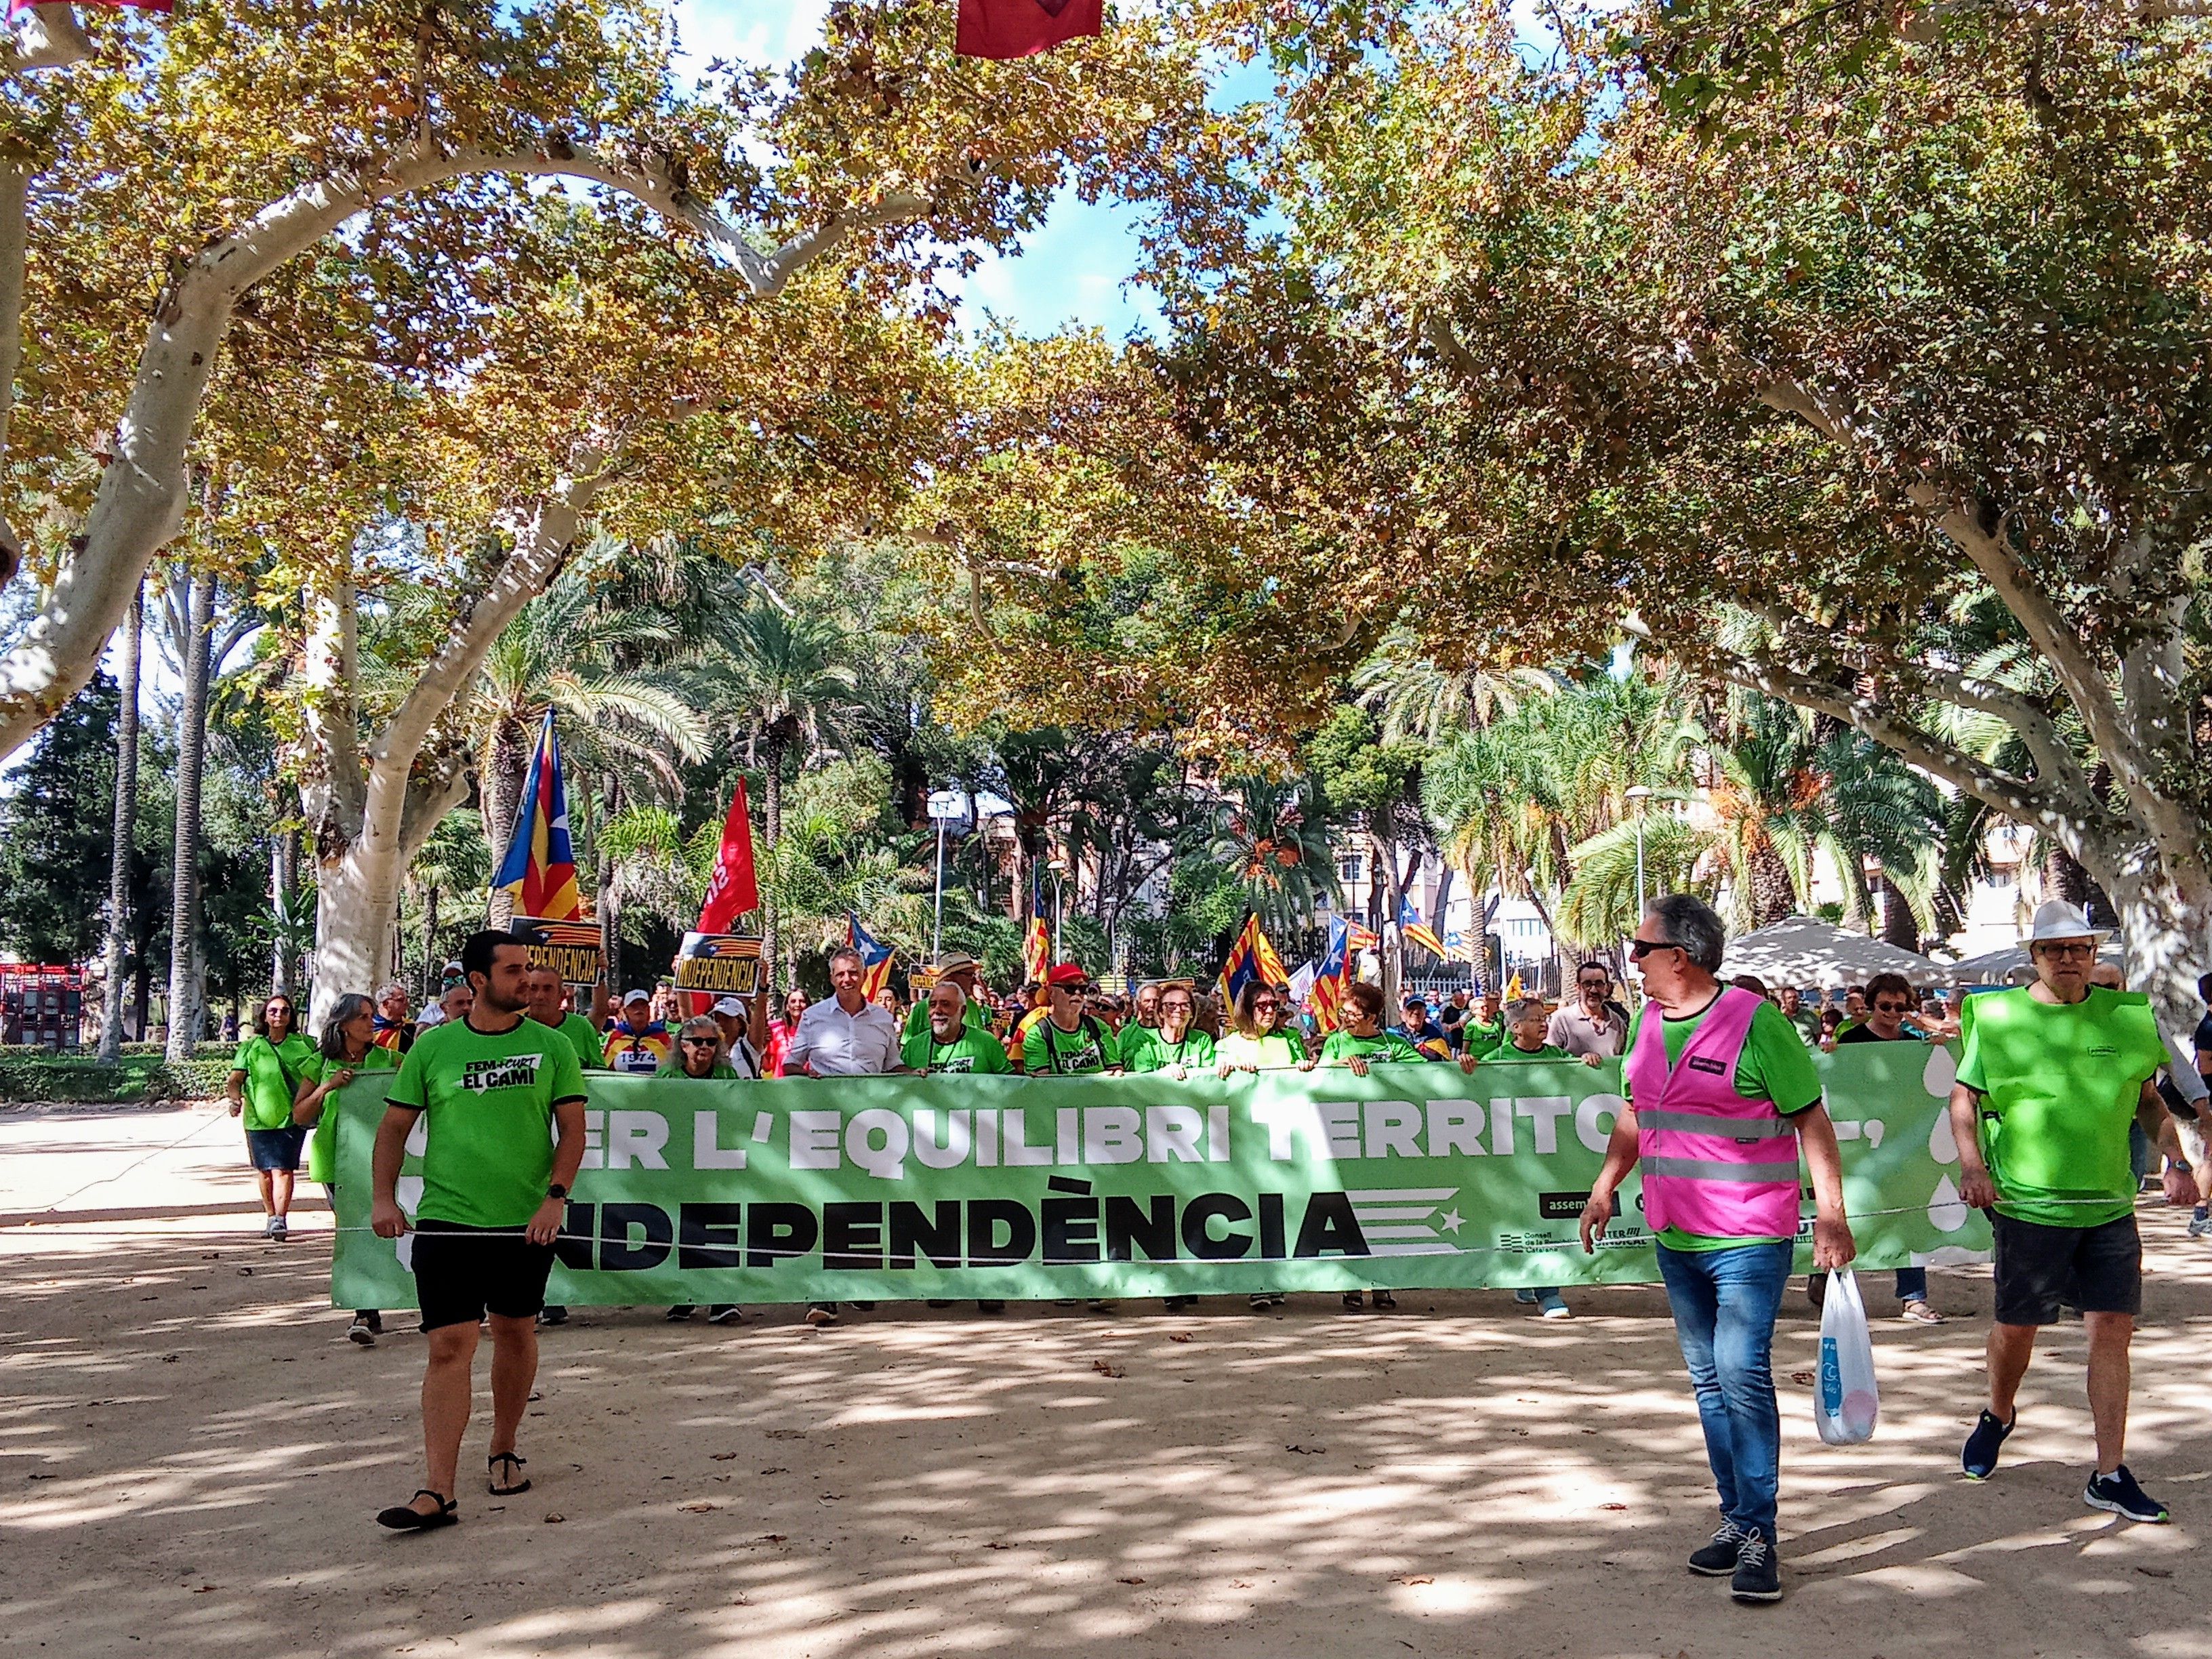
1075, 268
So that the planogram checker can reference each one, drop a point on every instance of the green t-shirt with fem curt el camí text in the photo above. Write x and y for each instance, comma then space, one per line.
488, 1100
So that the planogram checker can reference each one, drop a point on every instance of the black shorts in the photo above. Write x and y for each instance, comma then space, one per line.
2097, 1269
463, 1273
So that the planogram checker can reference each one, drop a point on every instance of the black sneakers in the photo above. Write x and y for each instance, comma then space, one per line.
1717, 1559
2118, 1493
1979, 1459
1758, 1572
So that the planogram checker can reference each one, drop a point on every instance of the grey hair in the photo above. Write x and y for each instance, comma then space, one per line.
952, 986
847, 953
1522, 1008
388, 989
1694, 925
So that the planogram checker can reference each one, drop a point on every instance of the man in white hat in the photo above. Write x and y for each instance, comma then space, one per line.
2051, 1078
637, 1043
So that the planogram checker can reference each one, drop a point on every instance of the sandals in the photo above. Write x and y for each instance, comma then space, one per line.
1385, 1302
513, 1487
406, 1517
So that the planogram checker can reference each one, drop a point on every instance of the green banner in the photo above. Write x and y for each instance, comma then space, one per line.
982, 1187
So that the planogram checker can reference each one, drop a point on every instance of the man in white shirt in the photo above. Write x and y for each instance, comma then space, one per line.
847, 1036
1589, 1025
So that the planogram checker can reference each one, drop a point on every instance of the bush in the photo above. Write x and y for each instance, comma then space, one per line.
40, 1074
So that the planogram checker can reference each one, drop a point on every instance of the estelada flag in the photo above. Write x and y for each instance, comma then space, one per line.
1036, 943
734, 889
875, 957
1250, 959
540, 866
1331, 978
1023, 28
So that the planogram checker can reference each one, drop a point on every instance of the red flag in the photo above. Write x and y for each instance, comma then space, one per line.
1023, 28
733, 891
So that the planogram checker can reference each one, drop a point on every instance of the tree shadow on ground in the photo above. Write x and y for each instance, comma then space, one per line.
190, 1456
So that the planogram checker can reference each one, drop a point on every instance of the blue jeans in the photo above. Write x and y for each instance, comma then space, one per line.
1724, 1303
1912, 1284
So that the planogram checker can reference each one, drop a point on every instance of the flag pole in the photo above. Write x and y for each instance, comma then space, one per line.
937, 926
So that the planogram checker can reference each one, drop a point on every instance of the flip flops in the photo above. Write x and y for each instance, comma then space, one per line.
513, 1487
406, 1517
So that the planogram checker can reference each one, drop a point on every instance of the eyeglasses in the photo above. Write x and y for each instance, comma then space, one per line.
2079, 947
1641, 948
1171, 1007
1260, 1005
1594, 984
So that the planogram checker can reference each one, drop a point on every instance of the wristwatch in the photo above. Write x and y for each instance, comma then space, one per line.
557, 1190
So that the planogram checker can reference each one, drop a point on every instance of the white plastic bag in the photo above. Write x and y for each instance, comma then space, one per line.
1844, 1401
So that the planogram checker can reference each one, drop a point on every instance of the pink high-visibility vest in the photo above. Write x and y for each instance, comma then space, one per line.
1713, 1162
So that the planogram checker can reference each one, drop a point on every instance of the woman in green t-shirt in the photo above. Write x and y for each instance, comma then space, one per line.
1257, 1039
263, 1077
349, 1047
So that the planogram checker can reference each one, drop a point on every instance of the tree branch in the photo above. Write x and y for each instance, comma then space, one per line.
43, 37
2032, 801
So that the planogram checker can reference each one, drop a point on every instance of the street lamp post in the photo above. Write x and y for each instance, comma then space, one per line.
1639, 793
946, 807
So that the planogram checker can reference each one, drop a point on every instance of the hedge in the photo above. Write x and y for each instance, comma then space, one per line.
32, 1073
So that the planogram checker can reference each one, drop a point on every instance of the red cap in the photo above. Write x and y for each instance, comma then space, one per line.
1068, 973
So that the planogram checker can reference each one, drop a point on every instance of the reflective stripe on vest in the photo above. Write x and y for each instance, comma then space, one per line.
1703, 1123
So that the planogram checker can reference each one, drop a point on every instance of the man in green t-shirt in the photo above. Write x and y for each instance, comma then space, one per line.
962, 971
1718, 1164
1067, 1042
489, 1090
1363, 1040
2051, 1076
947, 1041
548, 1005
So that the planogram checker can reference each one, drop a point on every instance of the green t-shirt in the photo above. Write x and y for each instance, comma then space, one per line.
1807, 1024
972, 1015
273, 1072
1390, 1048
1774, 1065
1508, 1051
1477, 1038
2059, 1085
1271, 1051
721, 1071
323, 1147
972, 1050
583, 1037
1195, 1051
489, 1101
1090, 1048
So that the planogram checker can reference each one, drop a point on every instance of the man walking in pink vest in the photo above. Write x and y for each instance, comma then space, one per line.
1722, 1097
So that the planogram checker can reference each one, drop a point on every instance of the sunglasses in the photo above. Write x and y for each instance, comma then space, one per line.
1259, 1003
1641, 948
2077, 948
1892, 1007
700, 1042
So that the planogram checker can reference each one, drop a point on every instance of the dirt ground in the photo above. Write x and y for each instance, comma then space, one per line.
190, 1454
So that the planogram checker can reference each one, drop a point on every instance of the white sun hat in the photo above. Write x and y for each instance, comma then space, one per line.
2056, 919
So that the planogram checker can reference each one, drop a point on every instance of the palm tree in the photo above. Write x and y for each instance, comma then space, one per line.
1413, 696
455, 859
567, 652
1275, 837
784, 679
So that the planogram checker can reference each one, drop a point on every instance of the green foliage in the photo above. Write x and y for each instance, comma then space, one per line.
38, 1074
57, 821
